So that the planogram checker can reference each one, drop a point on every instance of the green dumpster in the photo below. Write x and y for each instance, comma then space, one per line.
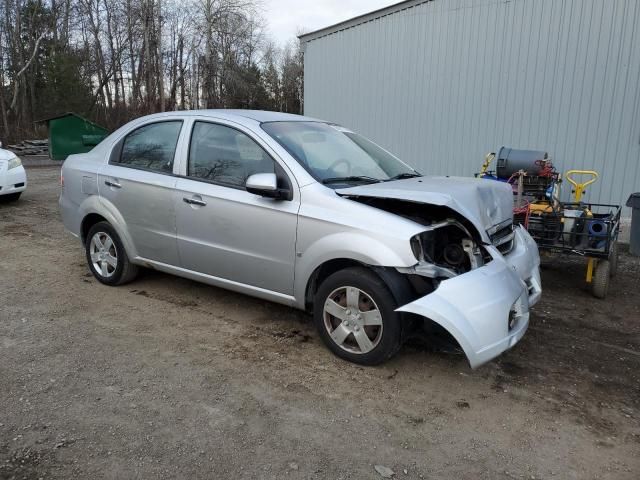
70, 133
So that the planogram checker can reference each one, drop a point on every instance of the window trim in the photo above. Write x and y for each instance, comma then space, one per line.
119, 146
278, 169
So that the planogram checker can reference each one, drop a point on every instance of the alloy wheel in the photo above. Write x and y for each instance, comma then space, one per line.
353, 320
104, 255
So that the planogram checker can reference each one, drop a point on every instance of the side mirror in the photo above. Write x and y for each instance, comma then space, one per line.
265, 185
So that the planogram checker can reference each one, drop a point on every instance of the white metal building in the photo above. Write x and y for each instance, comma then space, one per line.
442, 82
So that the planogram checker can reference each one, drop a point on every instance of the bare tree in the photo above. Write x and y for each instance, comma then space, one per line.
113, 60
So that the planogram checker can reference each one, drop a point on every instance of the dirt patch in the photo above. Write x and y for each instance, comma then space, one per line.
17, 230
24, 463
170, 378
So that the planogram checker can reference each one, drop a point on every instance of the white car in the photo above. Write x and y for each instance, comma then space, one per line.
13, 178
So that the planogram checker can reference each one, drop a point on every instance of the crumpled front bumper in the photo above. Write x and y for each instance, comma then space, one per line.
487, 309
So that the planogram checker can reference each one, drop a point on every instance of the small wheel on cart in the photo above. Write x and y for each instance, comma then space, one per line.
613, 259
600, 280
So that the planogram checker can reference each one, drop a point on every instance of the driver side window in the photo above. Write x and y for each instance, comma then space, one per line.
224, 155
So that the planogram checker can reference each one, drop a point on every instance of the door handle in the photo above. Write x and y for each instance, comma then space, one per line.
109, 183
194, 201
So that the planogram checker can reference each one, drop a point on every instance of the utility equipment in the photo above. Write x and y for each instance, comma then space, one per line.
574, 228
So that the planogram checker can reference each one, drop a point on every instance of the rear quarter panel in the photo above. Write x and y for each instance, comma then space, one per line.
79, 194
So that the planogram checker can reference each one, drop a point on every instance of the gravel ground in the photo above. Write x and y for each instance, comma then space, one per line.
169, 378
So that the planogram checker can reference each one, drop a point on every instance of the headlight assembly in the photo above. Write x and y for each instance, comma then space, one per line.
448, 246
15, 162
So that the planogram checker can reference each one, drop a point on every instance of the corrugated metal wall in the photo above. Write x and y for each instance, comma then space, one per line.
444, 82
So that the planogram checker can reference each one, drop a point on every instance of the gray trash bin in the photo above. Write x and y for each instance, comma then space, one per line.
634, 241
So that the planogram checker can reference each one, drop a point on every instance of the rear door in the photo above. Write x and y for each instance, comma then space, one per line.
139, 182
225, 231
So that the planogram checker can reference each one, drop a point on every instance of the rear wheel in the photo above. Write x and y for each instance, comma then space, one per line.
354, 313
106, 256
600, 280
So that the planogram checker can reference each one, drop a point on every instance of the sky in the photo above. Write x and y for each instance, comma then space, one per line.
286, 17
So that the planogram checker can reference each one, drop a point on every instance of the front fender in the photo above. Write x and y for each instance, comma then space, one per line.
345, 245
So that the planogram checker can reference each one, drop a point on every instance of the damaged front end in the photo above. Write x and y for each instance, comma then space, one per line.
479, 291
449, 245
480, 295
487, 308
445, 250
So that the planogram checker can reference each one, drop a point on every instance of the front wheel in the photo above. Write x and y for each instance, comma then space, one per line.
106, 256
354, 313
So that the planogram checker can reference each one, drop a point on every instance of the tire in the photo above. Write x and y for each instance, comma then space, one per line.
11, 197
106, 256
613, 259
372, 316
600, 280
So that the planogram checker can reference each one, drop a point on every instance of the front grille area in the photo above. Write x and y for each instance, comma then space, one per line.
18, 185
503, 239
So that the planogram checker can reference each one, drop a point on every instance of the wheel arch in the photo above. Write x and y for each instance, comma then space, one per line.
397, 283
95, 210
87, 222
322, 272
344, 249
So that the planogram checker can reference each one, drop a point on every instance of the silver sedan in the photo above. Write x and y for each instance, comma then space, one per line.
311, 215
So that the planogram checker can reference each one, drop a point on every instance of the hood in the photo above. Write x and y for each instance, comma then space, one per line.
485, 203
6, 154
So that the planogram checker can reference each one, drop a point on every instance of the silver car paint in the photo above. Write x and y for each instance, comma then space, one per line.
331, 227
152, 222
474, 307
259, 252
271, 257
483, 203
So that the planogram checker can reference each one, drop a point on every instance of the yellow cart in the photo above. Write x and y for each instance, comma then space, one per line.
589, 230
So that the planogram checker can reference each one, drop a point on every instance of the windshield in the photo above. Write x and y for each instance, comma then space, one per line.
336, 156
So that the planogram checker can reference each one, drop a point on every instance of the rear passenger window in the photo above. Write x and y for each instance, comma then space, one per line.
151, 147
225, 155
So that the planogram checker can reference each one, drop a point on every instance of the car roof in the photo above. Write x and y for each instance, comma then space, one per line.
241, 116
264, 115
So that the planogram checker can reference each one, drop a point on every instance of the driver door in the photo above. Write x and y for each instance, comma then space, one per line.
225, 231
